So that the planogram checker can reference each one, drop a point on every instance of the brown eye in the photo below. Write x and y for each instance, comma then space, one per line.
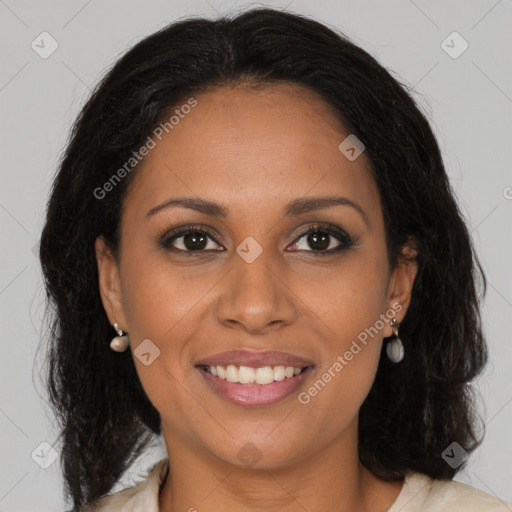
319, 240
195, 241
323, 240
191, 240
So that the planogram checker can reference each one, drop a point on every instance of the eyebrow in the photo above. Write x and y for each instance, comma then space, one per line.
293, 209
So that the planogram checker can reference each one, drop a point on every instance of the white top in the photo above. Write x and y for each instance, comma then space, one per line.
420, 493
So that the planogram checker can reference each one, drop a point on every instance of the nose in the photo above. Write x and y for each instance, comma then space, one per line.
255, 298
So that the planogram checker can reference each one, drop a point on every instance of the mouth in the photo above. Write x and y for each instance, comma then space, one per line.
254, 386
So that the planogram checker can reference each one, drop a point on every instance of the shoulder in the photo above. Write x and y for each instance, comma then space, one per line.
424, 494
456, 496
141, 496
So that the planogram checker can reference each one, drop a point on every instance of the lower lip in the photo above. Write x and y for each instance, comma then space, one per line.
252, 395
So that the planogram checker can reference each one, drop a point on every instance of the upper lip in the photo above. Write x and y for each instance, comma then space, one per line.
254, 359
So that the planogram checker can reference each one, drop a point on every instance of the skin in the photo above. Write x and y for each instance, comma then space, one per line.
253, 151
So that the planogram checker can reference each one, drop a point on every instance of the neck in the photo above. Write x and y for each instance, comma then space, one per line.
328, 480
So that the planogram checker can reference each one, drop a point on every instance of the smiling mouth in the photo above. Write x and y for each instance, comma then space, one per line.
263, 375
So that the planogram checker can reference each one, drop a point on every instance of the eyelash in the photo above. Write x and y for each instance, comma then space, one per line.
344, 239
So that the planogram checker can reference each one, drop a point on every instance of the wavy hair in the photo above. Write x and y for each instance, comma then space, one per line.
414, 410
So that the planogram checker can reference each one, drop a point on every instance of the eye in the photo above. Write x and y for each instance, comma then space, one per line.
320, 239
191, 239
323, 239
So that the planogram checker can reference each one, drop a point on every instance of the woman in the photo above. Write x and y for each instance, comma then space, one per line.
252, 248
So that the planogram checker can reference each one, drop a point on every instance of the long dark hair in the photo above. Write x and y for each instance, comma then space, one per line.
415, 409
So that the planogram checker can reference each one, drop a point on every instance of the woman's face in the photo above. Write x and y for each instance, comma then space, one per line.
255, 281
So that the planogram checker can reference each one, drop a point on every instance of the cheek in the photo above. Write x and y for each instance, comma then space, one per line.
163, 307
347, 299
348, 307
350, 358
157, 299
156, 311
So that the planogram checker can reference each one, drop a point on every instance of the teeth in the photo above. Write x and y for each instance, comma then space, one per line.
279, 373
248, 375
265, 375
289, 372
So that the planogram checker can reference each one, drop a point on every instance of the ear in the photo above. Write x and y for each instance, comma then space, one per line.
400, 284
110, 284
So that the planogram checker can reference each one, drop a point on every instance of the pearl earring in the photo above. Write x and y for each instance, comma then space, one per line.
395, 347
119, 343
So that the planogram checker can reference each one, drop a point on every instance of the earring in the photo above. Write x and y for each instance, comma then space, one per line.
395, 347
119, 343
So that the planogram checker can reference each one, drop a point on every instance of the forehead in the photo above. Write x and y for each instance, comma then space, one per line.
249, 147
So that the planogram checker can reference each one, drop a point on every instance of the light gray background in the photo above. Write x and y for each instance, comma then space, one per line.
469, 100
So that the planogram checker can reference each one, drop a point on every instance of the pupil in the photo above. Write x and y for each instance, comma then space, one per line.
313, 238
194, 238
